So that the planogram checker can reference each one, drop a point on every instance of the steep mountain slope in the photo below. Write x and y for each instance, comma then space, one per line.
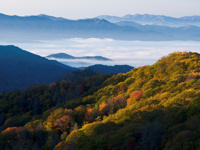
150, 107
153, 107
19, 69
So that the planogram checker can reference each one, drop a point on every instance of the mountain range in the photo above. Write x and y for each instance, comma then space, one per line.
168, 31
48, 27
147, 19
43, 27
67, 56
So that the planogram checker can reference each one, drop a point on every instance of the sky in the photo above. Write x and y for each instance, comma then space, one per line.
78, 9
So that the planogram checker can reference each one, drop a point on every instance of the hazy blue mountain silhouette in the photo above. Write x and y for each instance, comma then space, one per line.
155, 20
19, 69
67, 56
185, 31
48, 27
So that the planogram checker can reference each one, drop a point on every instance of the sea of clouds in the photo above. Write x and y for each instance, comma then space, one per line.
134, 53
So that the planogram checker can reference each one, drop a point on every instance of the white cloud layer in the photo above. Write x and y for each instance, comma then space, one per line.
135, 53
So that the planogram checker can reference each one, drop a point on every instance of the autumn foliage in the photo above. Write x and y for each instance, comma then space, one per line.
150, 107
63, 123
134, 96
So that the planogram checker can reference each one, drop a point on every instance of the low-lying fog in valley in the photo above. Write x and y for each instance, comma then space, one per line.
134, 53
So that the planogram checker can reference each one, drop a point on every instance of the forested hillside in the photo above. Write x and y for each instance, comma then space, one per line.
104, 69
151, 107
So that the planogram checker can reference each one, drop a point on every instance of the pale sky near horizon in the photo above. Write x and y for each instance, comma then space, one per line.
77, 9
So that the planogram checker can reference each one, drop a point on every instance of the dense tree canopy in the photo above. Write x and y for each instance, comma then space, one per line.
150, 107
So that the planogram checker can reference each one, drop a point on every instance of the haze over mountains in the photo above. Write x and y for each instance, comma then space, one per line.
43, 27
67, 56
20, 69
58, 107
147, 19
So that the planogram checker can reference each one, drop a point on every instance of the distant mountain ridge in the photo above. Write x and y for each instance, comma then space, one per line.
147, 19
67, 56
19, 69
48, 27
44, 27
186, 30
